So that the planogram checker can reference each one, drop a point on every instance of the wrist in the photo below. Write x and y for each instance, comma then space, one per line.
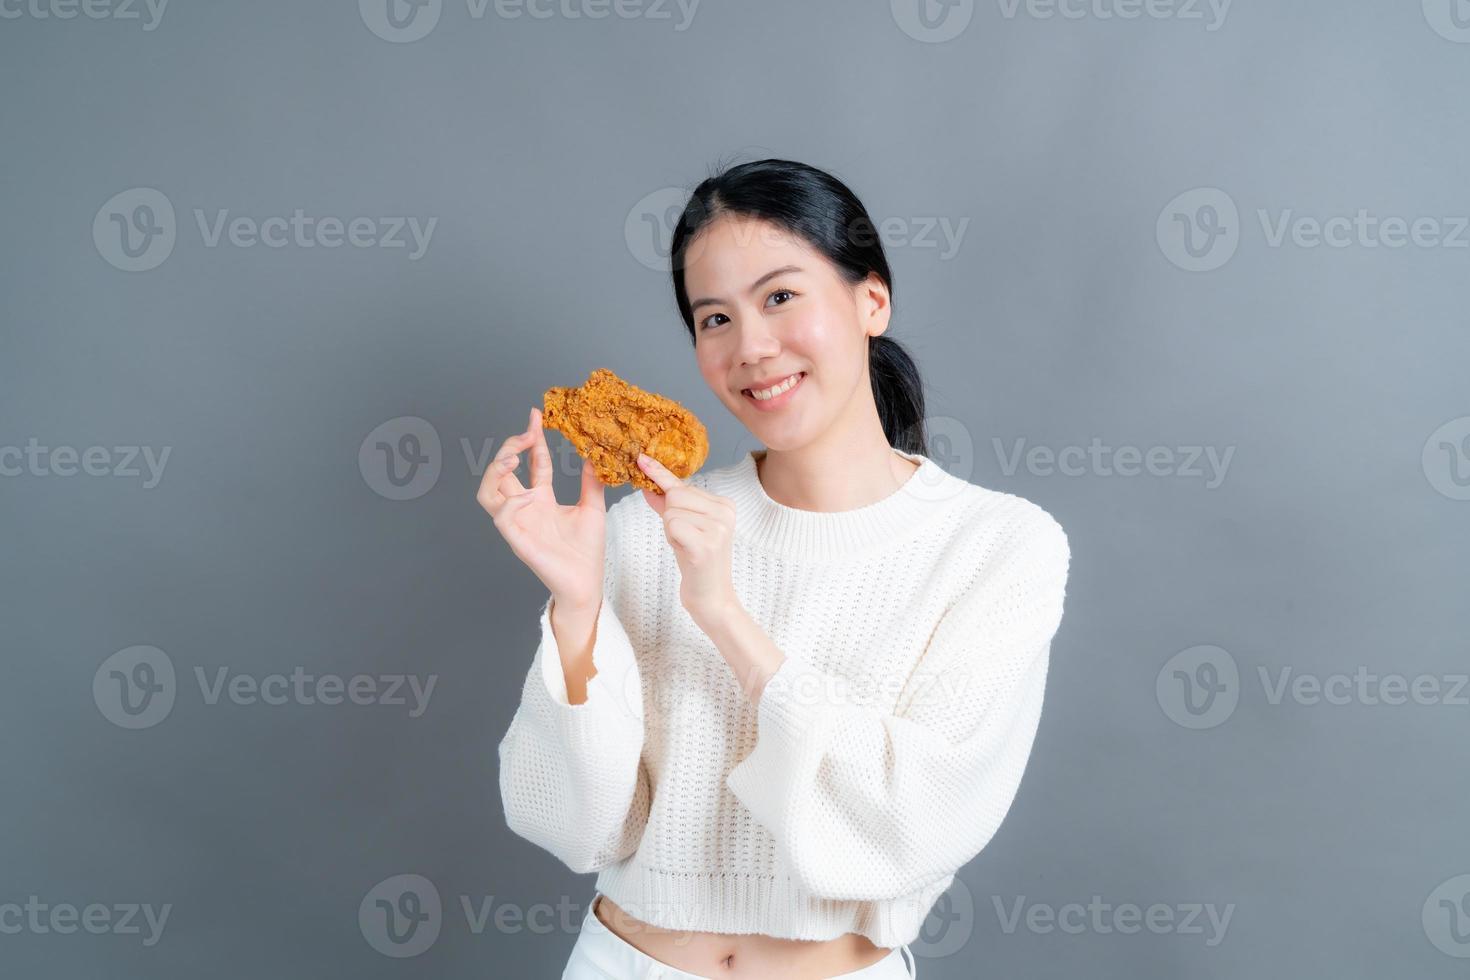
575, 608
716, 617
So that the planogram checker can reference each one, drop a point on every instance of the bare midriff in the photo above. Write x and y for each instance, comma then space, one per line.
718, 954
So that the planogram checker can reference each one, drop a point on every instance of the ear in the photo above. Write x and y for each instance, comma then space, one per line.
874, 305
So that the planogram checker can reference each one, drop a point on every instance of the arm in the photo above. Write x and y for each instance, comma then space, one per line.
571, 775
867, 805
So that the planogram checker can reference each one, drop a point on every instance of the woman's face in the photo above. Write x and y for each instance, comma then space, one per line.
766, 307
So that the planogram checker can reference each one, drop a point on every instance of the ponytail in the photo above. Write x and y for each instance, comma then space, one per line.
899, 392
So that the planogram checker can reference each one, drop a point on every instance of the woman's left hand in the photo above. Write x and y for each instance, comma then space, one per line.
699, 525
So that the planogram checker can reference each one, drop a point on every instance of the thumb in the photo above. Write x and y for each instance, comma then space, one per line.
592, 488
655, 500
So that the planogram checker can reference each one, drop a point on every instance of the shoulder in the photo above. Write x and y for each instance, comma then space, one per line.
1006, 525
1010, 544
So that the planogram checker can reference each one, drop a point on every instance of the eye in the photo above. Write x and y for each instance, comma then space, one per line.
705, 323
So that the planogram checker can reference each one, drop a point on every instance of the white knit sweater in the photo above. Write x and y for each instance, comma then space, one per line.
883, 755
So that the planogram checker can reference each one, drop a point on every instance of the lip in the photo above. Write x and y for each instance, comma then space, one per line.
771, 404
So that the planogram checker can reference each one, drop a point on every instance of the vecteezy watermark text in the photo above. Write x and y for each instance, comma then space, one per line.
63, 918
1200, 230
405, 21
1097, 459
35, 459
937, 21
1104, 918
1200, 687
136, 230
648, 230
1211, 13
91, 9
136, 688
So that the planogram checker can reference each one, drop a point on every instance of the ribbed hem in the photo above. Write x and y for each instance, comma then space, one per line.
775, 527
769, 905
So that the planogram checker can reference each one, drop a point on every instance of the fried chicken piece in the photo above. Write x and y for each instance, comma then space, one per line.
610, 422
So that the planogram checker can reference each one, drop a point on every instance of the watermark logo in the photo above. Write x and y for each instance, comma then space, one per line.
1446, 917
952, 447
648, 231
649, 227
1199, 687
932, 21
135, 687
400, 21
401, 916
1199, 230
401, 458
948, 926
1446, 458
1449, 18
149, 12
135, 230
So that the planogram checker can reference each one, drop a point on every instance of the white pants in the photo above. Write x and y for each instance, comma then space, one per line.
601, 954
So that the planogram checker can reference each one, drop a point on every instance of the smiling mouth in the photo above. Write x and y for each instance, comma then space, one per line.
776, 391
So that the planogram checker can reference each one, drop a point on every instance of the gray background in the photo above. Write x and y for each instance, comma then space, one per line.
1334, 834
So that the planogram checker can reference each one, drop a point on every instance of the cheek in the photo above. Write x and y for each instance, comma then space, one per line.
823, 338
713, 366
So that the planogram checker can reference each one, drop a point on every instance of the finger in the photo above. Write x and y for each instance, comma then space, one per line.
656, 501
702, 523
491, 494
515, 502
658, 473
693, 499
506, 514
592, 488
682, 531
510, 449
501, 473
540, 452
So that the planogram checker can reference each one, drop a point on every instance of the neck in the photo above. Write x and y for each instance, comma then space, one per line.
850, 465
832, 479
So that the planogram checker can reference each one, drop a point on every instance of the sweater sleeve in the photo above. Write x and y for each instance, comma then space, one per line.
571, 775
865, 805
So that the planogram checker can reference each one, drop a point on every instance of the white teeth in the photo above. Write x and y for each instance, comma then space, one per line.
766, 394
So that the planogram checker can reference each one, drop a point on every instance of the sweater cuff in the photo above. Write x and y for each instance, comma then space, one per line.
797, 704
793, 700
616, 684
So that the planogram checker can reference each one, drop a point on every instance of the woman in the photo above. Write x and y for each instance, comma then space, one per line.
779, 705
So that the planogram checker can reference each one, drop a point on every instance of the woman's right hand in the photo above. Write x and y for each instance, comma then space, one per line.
562, 545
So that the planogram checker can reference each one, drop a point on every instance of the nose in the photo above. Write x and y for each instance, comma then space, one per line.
757, 341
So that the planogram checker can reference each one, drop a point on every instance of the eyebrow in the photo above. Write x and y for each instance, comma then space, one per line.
707, 301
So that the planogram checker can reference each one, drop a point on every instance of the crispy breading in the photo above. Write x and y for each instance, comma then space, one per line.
610, 422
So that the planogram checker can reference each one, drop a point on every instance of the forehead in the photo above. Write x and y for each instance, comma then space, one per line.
734, 250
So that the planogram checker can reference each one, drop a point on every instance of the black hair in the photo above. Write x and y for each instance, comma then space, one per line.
819, 208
